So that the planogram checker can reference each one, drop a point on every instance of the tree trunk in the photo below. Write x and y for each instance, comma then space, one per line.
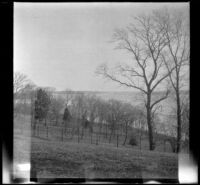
126, 132
178, 147
151, 139
173, 146
149, 123
111, 136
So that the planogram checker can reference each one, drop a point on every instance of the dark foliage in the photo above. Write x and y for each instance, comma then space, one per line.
42, 104
67, 115
133, 141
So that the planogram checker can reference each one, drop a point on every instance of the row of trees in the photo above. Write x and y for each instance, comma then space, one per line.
159, 46
27, 96
110, 117
82, 112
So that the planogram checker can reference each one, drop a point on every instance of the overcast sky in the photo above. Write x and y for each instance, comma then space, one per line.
61, 44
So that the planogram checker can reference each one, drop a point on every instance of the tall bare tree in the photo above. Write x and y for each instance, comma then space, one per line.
175, 25
145, 41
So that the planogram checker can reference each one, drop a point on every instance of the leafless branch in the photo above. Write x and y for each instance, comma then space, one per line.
161, 99
20, 81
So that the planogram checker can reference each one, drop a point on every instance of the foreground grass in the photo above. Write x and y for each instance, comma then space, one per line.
78, 160
54, 159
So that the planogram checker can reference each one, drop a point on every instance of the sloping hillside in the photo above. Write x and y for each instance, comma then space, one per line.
68, 160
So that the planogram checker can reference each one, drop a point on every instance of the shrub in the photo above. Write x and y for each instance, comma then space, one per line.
133, 141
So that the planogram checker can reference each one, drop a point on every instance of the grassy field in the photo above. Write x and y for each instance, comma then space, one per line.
69, 159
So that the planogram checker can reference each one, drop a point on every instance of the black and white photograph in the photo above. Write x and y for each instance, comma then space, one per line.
101, 90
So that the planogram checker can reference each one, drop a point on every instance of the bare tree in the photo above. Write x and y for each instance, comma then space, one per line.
114, 116
175, 25
101, 110
129, 114
94, 107
23, 88
56, 106
20, 81
145, 41
78, 111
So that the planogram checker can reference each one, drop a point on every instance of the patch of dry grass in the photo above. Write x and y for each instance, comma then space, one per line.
68, 160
